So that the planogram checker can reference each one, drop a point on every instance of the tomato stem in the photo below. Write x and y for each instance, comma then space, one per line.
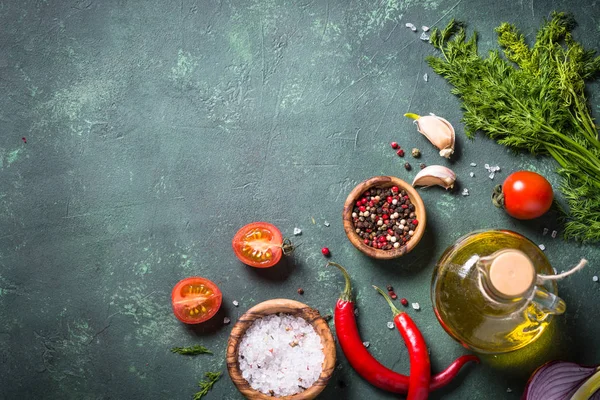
498, 196
287, 247
389, 301
347, 293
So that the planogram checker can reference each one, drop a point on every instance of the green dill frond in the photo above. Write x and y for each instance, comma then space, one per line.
534, 101
206, 385
191, 350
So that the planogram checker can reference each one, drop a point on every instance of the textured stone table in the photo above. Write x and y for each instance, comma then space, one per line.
155, 129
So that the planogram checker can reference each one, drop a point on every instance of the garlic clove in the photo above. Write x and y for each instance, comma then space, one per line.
435, 175
439, 131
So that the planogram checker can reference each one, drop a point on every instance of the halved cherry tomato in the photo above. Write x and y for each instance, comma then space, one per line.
195, 300
525, 195
258, 244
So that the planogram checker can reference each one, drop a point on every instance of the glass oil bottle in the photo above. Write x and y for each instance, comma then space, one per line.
487, 294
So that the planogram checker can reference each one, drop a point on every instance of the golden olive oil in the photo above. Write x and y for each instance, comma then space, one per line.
477, 318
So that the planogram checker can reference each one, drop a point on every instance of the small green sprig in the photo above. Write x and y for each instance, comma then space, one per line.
191, 350
206, 385
533, 100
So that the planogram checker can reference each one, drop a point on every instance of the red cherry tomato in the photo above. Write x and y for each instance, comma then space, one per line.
258, 244
195, 300
527, 195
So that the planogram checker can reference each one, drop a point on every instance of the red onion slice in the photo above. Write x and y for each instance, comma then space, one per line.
558, 380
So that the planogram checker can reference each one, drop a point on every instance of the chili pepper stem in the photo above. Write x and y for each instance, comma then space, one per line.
347, 293
389, 301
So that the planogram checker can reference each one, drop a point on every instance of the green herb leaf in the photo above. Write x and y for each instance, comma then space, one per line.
191, 350
533, 100
206, 385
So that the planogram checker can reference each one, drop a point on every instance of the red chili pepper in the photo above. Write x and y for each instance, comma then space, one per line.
420, 366
364, 363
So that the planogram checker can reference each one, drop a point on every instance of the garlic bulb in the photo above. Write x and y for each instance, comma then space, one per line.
435, 175
439, 132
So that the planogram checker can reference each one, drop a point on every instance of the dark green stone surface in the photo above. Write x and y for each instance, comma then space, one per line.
155, 129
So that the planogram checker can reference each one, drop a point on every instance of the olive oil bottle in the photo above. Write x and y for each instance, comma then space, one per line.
487, 294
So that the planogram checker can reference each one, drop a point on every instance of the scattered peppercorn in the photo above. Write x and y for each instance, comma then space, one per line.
416, 153
404, 302
24, 139
300, 291
422, 166
400, 153
407, 166
325, 252
389, 288
394, 145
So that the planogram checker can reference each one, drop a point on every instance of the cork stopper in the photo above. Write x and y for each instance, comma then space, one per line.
512, 273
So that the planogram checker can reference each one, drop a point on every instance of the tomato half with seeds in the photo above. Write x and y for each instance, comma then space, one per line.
260, 245
195, 300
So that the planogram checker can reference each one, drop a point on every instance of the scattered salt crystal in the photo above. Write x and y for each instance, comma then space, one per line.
326, 223
226, 320
411, 26
425, 77
424, 37
545, 231
297, 231
555, 271
465, 192
424, 28
508, 390
473, 164
471, 174
487, 166
356, 311
416, 306
280, 355
595, 278
553, 234
366, 344
542, 247
236, 303
491, 175
390, 325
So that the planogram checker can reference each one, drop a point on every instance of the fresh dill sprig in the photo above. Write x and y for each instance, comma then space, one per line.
538, 106
206, 385
191, 350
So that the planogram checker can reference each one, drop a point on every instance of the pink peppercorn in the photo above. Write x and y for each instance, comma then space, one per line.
404, 302
394, 145
325, 252
415, 222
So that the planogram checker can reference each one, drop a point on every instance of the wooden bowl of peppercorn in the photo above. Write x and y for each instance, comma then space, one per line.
384, 217
289, 307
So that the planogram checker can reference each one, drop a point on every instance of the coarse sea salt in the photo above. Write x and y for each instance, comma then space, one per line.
410, 26
281, 355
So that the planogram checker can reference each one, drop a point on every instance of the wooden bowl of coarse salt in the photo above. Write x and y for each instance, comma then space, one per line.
280, 349
400, 223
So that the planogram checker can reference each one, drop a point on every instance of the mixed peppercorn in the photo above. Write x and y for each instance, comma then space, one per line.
384, 218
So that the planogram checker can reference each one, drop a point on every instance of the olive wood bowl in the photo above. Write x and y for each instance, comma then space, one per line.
276, 306
385, 182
